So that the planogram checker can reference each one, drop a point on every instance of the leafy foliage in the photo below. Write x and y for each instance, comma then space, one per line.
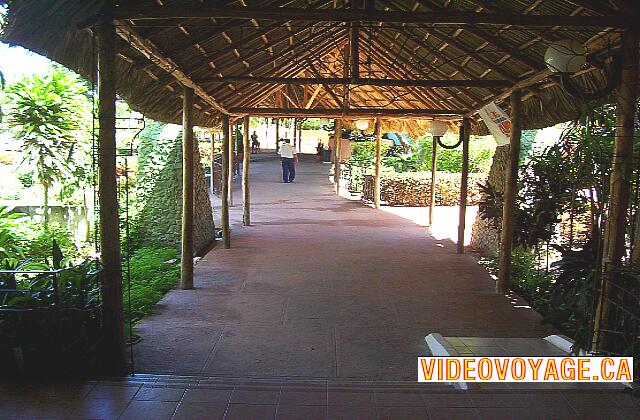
47, 114
418, 158
39, 242
154, 271
11, 253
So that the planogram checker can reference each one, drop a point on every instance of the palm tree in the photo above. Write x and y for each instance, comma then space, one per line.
46, 113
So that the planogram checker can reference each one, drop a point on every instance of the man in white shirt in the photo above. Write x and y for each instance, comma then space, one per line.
289, 159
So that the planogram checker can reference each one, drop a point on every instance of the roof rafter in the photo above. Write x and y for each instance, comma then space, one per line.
199, 11
148, 49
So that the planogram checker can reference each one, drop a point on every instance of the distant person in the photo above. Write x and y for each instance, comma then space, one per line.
255, 144
289, 159
319, 151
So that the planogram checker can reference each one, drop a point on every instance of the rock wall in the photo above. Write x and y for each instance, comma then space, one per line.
485, 238
414, 188
160, 189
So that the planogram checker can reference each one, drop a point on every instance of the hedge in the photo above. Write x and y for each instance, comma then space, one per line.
414, 188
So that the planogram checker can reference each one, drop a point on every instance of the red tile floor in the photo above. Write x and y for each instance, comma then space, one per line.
318, 310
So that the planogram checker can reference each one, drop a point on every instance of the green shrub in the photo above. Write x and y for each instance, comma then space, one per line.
533, 284
154, 271
11, 253
38, 244
26, 179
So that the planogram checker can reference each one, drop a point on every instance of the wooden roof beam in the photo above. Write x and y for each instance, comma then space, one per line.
435, 69
502, 45
200, 11
362, 81
153, 53
353, 112
292, 67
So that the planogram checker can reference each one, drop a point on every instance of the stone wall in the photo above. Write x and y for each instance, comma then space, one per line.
414, 188
485, 238
160, 189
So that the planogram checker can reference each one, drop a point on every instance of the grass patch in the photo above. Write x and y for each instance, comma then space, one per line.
154, 271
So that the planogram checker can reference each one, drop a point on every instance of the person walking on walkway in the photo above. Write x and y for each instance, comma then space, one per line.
255, 144
289, 158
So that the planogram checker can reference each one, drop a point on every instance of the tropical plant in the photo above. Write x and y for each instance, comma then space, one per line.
47, 114
11, 252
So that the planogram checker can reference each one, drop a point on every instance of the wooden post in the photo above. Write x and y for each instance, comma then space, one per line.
224, 211
232, 162
336, 164
300, 137
376, 184
295, 133
510, 191
465, 131
434, 164
277, 134
108, 198
213, 162
620, 182
186, 260
246, 193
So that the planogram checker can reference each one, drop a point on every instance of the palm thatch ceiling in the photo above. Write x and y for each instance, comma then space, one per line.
258, 56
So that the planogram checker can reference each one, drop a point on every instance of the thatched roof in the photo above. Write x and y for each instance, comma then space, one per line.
206, 48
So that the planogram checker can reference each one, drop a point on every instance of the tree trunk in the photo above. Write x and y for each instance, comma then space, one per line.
45, 186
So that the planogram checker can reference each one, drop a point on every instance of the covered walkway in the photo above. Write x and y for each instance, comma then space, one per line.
322, 287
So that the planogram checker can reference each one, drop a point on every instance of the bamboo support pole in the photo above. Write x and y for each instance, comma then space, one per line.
186, 260
336, 164
510, 191
224, 211
620, 182
213, 162
108, 198
277, 134
465, 131
232, 162
246, 159
376, 184
295, 133
434, 164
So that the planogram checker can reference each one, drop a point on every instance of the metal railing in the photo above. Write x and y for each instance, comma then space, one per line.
50, 320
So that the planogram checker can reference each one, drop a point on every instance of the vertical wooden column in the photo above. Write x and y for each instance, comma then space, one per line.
108, 198
510, 191
186, 260
295, 133
213, 161
246, 159
232, 163
336, 163
300, 137
277, 134
376, 181
224, 211
434, 165
465, 131
620, 182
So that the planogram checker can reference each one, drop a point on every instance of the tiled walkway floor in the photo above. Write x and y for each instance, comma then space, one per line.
322, 287
201, 398
328, 301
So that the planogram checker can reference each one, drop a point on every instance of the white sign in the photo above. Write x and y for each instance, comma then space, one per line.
525, 369
497, 122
